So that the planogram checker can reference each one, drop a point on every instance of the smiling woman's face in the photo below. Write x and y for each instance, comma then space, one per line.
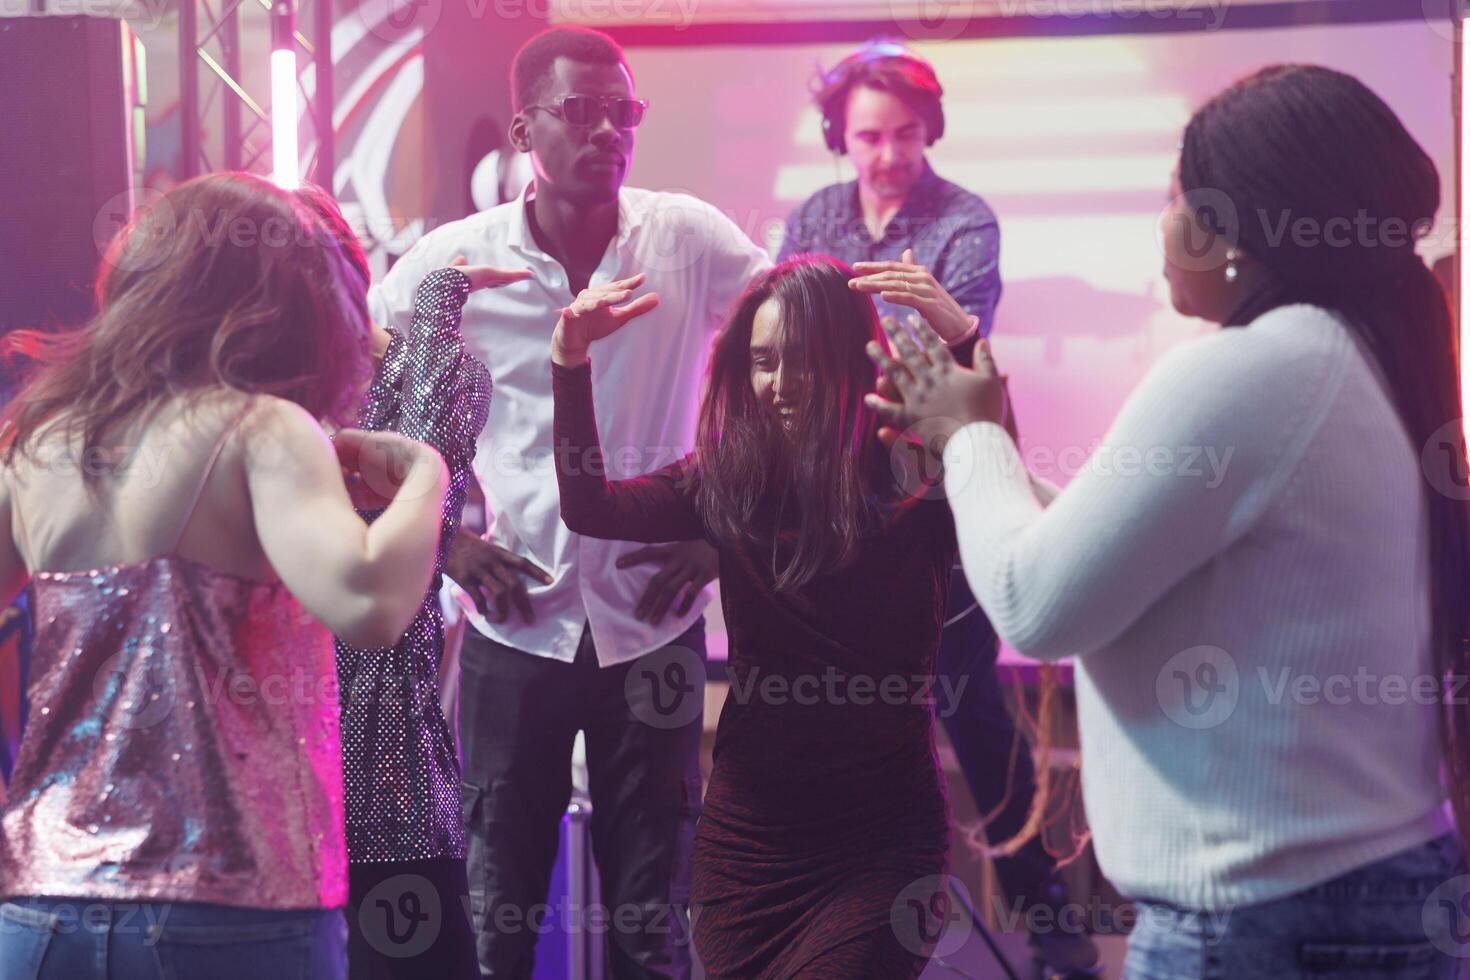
775, 384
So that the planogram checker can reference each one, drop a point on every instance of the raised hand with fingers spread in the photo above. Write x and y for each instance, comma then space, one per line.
907, 283
597, 312
926, 384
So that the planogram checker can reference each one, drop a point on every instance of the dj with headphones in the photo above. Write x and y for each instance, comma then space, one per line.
881, 107
916, 240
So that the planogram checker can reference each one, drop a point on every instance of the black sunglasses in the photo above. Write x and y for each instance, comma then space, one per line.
586, 110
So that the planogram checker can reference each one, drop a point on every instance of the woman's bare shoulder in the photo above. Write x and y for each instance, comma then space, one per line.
274, 430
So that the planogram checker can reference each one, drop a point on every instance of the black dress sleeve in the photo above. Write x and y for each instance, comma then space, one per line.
655, 507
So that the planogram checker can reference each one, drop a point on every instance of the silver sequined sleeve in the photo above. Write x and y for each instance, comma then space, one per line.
402, 778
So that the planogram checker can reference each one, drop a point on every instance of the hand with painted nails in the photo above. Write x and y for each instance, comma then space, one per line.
906, 283
922, 382
597, 312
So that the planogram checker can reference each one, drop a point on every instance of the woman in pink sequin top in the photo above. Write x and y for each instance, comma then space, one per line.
192, 544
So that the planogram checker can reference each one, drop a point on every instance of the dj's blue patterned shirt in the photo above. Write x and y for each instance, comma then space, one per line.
953, 233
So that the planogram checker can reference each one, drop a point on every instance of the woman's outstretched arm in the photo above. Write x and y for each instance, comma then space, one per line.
657, 506
1195, 457
1193, 460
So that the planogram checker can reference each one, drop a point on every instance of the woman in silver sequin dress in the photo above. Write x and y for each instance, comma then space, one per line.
407, 910
167, 489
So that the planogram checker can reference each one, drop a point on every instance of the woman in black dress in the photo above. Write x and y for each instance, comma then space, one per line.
823, 840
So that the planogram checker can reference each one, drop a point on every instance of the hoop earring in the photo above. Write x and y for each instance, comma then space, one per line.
1232, 272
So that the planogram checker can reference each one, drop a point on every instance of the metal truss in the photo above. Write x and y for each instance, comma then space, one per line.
211, 39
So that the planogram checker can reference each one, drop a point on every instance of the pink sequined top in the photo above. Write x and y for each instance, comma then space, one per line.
182, 745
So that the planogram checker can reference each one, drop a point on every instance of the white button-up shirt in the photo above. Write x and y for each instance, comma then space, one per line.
645, 379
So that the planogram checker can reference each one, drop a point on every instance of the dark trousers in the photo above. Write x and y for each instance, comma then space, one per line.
519, 715
983, 732
408, 920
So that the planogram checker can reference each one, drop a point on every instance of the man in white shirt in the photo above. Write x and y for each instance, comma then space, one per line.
563, 621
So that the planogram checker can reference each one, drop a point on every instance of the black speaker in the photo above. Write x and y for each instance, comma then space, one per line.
69, 160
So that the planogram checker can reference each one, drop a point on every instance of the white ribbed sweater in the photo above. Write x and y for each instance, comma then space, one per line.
1292, 580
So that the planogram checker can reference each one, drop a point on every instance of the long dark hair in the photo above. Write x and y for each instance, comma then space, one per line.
826, 481
810, 495
226, 280
1301, 142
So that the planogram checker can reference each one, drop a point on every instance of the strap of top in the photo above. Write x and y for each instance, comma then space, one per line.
219, 446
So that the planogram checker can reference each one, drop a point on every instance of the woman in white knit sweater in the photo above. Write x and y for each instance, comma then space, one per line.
1265, 569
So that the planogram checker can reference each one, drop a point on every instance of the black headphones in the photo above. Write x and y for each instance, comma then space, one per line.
831, 88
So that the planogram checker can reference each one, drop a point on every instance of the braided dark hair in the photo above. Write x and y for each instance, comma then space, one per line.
1299, 146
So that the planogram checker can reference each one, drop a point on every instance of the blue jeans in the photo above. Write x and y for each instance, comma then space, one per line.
1402, 918
80, 939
